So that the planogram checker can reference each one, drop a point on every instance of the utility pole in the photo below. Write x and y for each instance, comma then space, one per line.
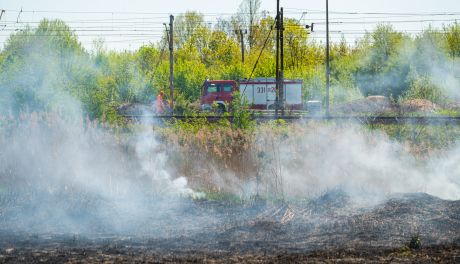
171, 63
242, 42
281, 74
277, 57
327, 60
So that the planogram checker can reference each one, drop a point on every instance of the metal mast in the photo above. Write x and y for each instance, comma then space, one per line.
327, 59
171, 62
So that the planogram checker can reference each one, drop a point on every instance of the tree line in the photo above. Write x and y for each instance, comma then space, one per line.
46, 67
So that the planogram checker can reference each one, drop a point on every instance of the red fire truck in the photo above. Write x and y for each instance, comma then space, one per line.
260, 93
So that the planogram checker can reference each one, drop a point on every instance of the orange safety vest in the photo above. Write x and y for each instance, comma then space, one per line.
159, 104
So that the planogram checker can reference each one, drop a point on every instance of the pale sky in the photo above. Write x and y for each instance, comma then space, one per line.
129, 24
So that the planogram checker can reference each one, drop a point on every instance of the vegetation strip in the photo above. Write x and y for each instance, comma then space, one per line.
429, 120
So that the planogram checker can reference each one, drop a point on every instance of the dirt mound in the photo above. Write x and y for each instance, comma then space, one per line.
418, 105
370, 104
453, 106
382, 104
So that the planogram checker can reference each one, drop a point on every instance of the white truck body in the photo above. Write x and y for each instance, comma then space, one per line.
261, 93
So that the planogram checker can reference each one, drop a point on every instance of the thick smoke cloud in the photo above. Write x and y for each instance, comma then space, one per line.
364, 163
59, 170
404, 67
66, 174
428, 57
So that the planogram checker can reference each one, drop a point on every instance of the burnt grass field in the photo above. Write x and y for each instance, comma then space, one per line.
75, 193
411, 228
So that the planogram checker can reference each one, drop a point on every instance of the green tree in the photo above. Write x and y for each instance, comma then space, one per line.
248, 18
452, 35
422, 87
42, 67
383, 70
185, 27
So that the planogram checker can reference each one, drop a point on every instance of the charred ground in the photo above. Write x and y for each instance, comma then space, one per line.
330, 228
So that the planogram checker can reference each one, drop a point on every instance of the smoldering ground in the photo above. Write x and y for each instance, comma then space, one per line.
90, 192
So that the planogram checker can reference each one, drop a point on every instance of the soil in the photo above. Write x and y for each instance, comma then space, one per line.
439, 254
455, 106
329, 229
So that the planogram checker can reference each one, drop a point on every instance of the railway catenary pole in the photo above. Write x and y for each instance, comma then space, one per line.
281, 75
327, 59
171, 62
242, 43
277, 57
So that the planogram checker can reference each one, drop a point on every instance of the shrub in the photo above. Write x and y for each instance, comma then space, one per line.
422, 87
241, 115
415, 242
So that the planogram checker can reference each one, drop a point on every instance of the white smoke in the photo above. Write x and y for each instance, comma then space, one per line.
153, 163
68, 174
363, 163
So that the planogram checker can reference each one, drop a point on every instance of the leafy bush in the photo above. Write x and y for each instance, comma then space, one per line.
415, 242
422, 87
241, 114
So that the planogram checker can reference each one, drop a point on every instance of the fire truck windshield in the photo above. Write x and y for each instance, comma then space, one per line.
227, 88
212, 88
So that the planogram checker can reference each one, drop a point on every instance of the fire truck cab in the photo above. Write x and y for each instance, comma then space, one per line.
217, 93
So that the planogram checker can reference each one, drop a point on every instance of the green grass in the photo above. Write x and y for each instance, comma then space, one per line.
221, 196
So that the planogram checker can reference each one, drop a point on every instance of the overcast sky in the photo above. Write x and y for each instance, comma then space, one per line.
129, 24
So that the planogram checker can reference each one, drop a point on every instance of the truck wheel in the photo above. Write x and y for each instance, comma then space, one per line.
220, 109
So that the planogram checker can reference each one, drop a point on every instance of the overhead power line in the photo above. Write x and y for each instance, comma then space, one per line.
130, 12
158, 26
260, 54
144, 26
297, 11
375, 13
390, 21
